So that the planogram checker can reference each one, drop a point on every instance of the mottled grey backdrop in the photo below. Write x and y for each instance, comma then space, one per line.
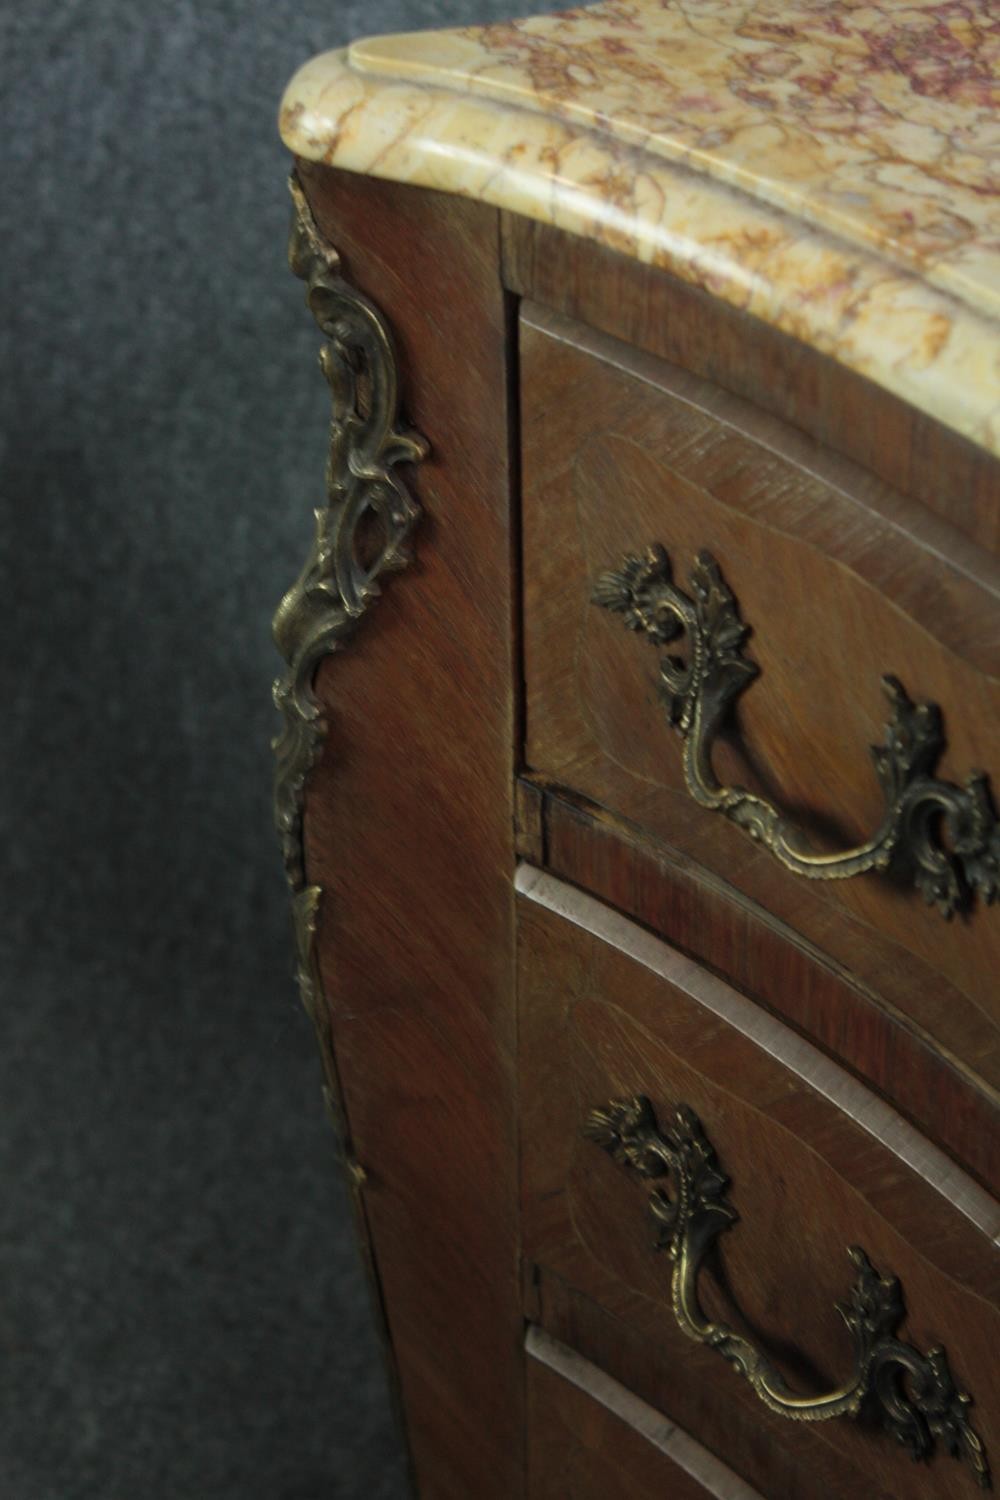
182, 1315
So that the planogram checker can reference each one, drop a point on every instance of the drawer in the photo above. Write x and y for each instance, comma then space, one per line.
810, 1161
590, 1439
840, 583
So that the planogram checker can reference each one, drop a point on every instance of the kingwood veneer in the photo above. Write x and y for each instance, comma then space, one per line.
681, 320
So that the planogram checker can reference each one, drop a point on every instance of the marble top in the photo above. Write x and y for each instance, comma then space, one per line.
834, 168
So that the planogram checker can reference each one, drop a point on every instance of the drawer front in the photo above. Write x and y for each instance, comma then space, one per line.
814, 1164
590, 1439
841, 583
704, 918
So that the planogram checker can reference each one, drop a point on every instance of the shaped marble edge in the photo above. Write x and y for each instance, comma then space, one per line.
846, 300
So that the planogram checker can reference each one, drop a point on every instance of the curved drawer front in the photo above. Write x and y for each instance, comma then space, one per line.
589, 1438
721, 621
745, 1252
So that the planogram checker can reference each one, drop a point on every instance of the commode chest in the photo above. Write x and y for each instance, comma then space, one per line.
641, 740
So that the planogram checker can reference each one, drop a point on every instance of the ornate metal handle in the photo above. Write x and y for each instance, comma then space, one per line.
913, 1393
947, 837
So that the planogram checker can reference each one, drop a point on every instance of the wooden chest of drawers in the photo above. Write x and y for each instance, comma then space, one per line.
658, 1013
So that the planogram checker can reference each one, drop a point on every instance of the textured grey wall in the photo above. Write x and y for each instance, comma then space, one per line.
181, 1310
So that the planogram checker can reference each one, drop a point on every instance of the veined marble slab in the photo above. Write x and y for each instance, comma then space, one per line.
833, 168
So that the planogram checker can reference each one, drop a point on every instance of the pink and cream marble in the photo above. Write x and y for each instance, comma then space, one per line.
832, 168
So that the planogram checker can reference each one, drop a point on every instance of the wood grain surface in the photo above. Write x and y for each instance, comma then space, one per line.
658, 313
410, 833
859, 538
808, 1178
841, 582
700, 914
589, 1438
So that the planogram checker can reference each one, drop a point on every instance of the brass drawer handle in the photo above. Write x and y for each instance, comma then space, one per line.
698, 692
914, 1394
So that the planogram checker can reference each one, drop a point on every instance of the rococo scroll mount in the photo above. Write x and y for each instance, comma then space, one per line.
319, 613
913, 1395
362, 533
946, 838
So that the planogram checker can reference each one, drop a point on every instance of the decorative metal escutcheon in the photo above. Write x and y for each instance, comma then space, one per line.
944, 837
913, 1394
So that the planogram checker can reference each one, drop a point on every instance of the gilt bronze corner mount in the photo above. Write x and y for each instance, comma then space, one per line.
361, 533
337, 584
